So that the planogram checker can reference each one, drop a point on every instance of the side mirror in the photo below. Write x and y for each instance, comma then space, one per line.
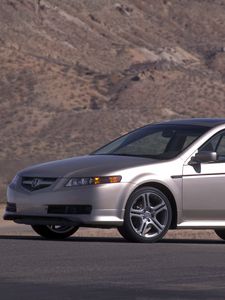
203, 157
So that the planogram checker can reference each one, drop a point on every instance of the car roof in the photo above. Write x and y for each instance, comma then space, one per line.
208, 122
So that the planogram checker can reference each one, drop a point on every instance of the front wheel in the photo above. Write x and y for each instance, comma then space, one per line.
148, 216
54, 231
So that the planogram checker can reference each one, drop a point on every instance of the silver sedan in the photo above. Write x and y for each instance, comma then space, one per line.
162, 176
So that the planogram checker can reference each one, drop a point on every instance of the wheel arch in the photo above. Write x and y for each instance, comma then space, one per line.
168, 194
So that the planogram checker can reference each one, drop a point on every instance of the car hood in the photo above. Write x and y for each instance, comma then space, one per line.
90, 165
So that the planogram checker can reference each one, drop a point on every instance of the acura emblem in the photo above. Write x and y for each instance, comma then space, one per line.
35, 182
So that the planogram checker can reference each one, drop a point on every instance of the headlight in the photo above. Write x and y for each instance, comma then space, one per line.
15, 180
79, 181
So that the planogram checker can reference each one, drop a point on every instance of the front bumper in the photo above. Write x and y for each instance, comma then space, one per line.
107, 202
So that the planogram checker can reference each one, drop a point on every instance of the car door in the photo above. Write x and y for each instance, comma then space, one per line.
204, 185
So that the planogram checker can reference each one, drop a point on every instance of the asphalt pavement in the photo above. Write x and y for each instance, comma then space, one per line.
110, 268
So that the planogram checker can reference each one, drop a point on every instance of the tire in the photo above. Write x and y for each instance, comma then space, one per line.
56, 232
148, 216
220, 233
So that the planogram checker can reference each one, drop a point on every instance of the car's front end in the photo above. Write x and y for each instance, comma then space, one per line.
93, 197
79, 205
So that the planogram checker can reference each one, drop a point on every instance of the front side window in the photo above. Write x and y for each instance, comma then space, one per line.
154, 141
216, 144
221, 148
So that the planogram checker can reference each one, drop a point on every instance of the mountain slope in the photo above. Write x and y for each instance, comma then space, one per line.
75, 74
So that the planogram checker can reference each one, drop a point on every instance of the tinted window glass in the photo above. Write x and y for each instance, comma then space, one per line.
211, 145
221, 147
154, 141
153, 144
216, 144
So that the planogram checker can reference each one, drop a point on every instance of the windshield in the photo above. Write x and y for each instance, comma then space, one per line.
162, 141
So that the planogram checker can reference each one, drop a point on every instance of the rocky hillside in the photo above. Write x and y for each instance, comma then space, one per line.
76, 73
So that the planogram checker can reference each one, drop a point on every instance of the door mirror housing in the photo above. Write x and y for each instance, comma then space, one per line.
203, 157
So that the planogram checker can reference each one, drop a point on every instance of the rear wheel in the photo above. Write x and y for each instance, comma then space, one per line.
220, 233
54, 231
147, 216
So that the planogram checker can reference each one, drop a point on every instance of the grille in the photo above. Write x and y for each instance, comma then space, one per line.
37, 183
69, 209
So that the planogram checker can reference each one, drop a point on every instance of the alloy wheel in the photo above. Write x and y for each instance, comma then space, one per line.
147, 217
149, 214
60, 228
